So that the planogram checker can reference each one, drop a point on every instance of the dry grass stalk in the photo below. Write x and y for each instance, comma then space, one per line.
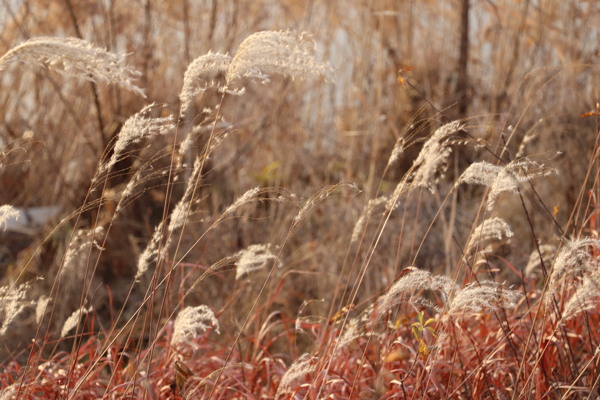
369, 209
191, 322
73, 57
319, 196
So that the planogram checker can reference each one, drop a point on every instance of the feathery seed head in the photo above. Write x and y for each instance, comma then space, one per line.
40, 308
503, 179
534, 264
9, 392
484, 296
430, 164
253, 258
491, 229
574, 259
298, 370
150, 253
138, 127
397, 151
247, 197
7, 212
202, 74
416, 280
191, 322
585, 297
178, 215
480, 173
73, 320
12, 302
77, 254
74, 57
276, 52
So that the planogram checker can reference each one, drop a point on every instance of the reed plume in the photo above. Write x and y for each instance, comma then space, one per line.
191, 322
7, 212
75, 58
276, 52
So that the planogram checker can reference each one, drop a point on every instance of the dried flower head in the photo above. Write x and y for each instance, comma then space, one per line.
352, 330
249, 196
74, 57
191, 322
298, 370
503, 179
9, 392
40, 308
491, 229
276, 52
138, 127
573, 261
78, 251
534, 264
253, 258
12, 302
319, 196
178, 215
7, 212
585, 297
416, 280
397, 151
431, 163
200, 75
150, 253
482, 296
73, 320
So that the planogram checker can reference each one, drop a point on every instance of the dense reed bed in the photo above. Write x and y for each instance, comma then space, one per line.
396, 200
